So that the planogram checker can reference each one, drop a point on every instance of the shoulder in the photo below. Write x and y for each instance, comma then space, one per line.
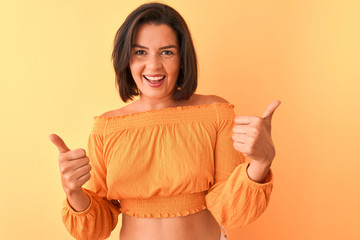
109, 113
199, 99
224, 112
195, 99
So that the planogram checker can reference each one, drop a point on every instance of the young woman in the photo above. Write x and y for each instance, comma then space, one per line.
172, 162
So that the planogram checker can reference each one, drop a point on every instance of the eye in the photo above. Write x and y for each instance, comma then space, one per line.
140, 52
167, 52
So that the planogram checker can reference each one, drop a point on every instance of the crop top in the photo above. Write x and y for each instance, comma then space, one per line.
166, 163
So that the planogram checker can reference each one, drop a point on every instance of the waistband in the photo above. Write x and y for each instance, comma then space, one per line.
161, 207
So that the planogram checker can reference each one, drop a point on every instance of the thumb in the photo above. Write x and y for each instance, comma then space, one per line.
271, 109
59, 143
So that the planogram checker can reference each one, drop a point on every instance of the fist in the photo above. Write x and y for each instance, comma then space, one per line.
74, 165
252, 135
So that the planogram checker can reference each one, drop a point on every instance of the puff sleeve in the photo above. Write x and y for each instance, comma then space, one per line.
101, 217
234, 199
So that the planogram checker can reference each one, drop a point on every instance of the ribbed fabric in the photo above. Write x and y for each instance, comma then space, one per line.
166, 163
160, 207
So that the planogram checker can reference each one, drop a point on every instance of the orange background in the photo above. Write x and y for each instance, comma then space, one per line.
56, 74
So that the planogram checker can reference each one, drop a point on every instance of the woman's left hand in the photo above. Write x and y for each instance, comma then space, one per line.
252, 136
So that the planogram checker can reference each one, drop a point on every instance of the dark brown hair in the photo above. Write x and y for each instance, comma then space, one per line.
157, 13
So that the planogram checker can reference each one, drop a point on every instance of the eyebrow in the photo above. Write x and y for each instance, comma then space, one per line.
164, 47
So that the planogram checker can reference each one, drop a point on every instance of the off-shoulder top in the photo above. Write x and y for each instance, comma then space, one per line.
166, 163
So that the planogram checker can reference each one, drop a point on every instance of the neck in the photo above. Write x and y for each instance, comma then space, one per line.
144, 103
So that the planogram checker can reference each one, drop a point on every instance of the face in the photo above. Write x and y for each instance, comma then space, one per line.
155, 61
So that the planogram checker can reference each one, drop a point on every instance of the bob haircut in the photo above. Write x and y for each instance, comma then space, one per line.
156, 13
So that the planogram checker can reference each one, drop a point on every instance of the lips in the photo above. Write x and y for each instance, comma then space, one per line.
154, 80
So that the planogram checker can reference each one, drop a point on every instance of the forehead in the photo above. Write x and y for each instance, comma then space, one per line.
151, 34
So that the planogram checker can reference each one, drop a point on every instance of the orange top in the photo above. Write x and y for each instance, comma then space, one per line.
165, 163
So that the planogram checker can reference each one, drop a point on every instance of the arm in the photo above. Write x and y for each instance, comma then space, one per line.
234, 199
100, 216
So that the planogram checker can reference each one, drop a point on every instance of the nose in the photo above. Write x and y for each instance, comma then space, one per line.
154, 62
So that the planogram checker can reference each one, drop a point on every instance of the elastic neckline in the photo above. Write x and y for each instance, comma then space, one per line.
169, 109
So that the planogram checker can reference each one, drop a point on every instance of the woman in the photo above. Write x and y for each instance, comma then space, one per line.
172, 162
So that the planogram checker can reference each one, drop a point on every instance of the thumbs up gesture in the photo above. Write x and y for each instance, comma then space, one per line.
252, 135
74, 166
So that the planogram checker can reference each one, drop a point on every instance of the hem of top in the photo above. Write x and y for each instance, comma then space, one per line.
257, 185
182, 213
166, 206
165, 109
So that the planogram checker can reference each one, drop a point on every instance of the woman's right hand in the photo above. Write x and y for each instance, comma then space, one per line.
75, 172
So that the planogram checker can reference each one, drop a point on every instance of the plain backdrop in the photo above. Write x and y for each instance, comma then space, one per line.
56, 74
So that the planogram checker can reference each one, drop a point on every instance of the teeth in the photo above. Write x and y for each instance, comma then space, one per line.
158, 78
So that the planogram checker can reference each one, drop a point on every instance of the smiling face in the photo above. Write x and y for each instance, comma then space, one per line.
155, 60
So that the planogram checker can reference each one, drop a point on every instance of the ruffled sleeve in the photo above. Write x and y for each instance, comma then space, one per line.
234, 199
101, 217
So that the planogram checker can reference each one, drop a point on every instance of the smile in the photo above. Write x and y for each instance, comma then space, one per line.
154, 78
154, 81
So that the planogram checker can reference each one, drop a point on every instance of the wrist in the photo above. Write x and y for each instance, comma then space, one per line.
78, 200
71, 192
263, 164
258, 171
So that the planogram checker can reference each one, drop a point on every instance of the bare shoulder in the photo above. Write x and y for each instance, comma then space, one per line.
109, 113
207, 99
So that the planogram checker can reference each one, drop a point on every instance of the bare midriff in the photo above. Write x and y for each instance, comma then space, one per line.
198, 226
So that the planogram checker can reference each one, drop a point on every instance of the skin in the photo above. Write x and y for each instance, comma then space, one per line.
156, 52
